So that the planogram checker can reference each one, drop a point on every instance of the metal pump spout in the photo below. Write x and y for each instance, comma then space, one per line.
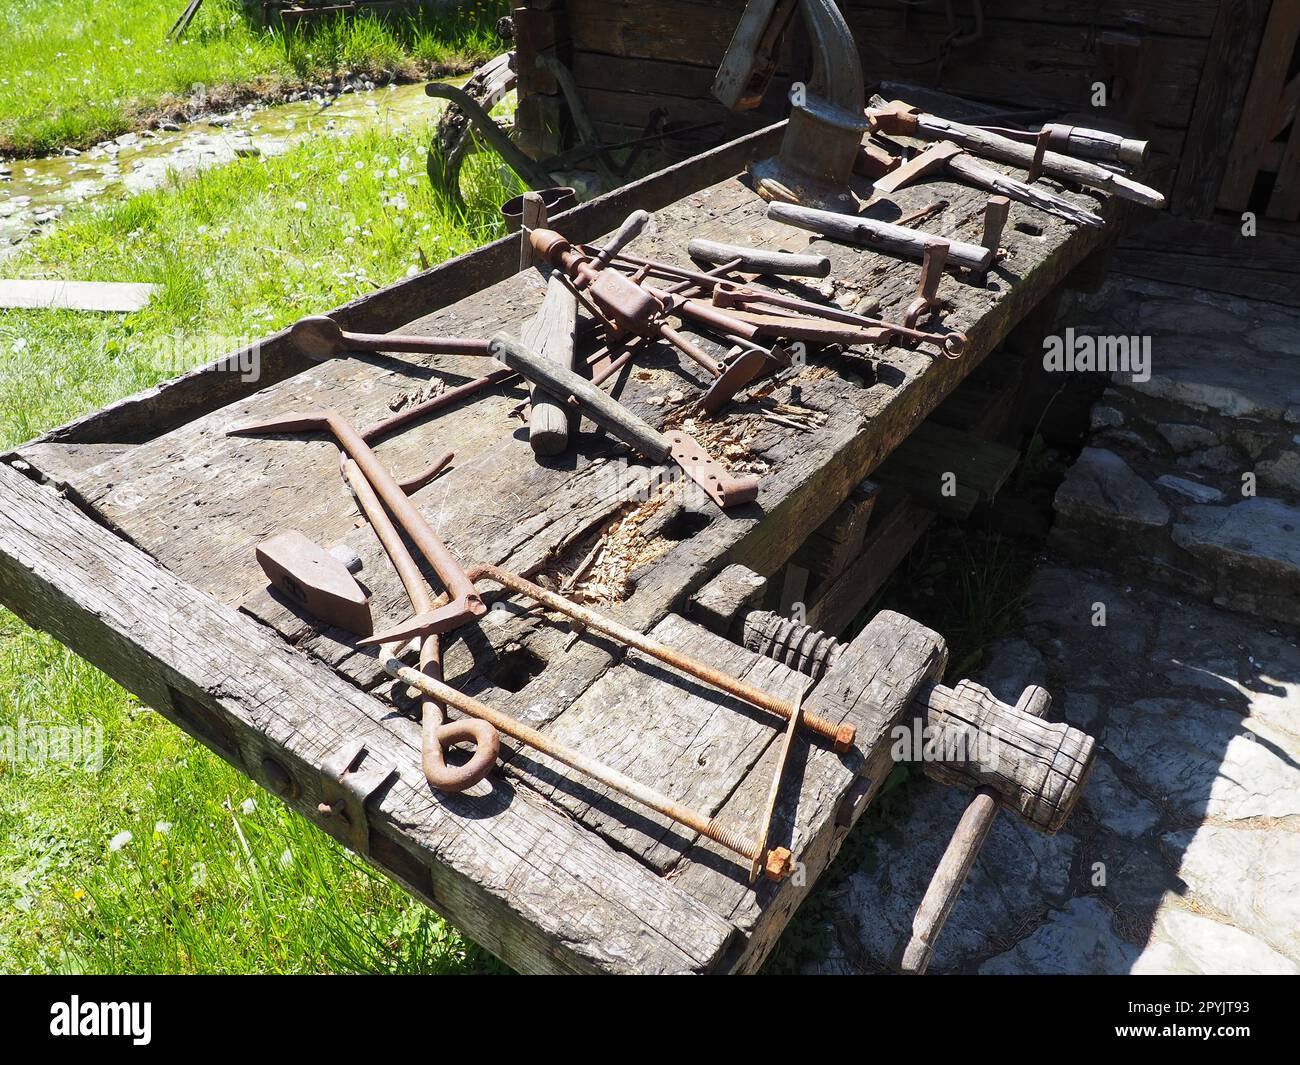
827, 120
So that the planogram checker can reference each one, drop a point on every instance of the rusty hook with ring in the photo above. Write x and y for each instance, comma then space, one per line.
436, 733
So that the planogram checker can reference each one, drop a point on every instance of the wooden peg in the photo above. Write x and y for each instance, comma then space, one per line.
534, 217
995, 219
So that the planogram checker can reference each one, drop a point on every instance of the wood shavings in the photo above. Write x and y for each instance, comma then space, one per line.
599, 570
804, 419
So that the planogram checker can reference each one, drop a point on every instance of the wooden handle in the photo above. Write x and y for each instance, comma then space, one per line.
758, 261
562, 383
623, 236
870, 233
550, 334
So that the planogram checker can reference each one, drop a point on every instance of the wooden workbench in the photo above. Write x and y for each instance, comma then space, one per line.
129, 535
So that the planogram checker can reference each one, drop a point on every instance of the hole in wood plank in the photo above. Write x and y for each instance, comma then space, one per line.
1030, 228
513, 668
685, 524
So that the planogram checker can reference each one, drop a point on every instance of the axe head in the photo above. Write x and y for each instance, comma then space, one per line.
316, 581
286, 423
933, 160
433, 622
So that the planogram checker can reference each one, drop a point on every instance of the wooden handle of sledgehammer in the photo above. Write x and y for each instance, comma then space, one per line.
955, 865
602, 409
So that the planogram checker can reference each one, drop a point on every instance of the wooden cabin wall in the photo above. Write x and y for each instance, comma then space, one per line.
1177, 70
632, 56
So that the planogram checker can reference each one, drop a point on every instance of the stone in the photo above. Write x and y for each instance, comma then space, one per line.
1250, 875
1276, 339
1202, 760
1194, 490
1010, 666
1184, 318
1260, 535
1079, 939
872, 910
247, 149
1116, 806
1103, 417
1184, 438
1196, 372
1192, 944
1102, 486
1282, 471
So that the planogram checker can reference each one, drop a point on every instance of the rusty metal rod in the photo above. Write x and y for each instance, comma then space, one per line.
466, 603
402, 418
434, 733
841, 736
778, 860
414, 484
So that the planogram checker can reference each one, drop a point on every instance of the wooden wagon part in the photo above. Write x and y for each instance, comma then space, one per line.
145, 567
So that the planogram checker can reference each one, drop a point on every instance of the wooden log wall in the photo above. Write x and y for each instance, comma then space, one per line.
1180, 70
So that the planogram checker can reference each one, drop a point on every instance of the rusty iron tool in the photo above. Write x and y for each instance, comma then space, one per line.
827, 118
927, 288
777, 862
413, 484
465, 603
760, 260
839, 736
742, 297
609, 414
774, 791
947, 158
880, 236
898, 118
624, 305
436, 733
320, 337
316, 580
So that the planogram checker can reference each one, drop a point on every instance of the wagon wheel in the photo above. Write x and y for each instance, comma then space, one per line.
453, 137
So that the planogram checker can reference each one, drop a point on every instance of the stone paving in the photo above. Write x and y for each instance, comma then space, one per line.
1184, 853
1198, 466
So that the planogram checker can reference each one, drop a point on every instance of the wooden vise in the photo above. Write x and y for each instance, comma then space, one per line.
961, 735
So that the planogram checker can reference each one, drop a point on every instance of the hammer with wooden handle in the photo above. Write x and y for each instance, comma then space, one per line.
949, 158
959, 857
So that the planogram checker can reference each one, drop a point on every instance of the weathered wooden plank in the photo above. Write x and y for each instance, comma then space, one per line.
1191, 18
1220, 94
1272, 66
872, 685
515, 874
696, 743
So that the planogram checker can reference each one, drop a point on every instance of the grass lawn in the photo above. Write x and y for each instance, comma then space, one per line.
78, 71
215, 875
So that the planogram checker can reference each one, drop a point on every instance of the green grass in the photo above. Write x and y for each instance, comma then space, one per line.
205, 884
78, 71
